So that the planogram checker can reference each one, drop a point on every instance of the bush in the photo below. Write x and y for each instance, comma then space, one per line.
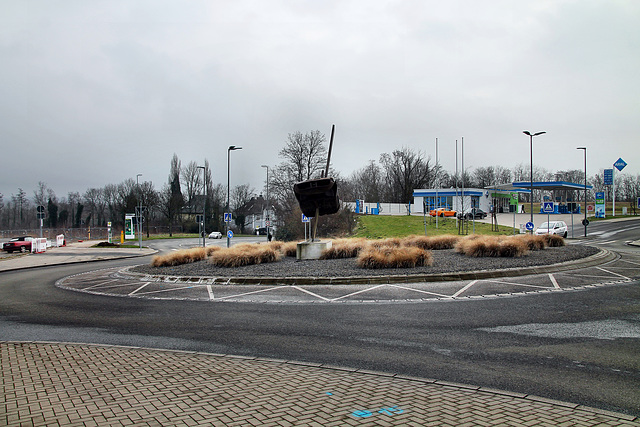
393, 257
533, 242
431, 242
344, 248
553, 240
491, 246
245, 254
184, 256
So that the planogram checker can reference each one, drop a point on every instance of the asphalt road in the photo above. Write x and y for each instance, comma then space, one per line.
581, 347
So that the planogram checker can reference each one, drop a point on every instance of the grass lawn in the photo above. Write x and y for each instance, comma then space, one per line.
383, 226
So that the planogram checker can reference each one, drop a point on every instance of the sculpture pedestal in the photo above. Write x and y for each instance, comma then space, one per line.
311, 250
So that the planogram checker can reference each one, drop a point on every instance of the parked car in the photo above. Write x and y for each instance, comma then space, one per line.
215, 235
475, 213
553, 227
442, 212
22, 244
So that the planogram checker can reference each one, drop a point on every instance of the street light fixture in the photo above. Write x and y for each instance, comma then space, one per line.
526, 132
139, 213
267, 212
229, 150
204, 205
585, 222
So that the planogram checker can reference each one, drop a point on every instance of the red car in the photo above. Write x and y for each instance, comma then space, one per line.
22, 244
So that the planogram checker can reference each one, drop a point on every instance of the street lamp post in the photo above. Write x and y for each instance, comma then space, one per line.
526, 132
204, 205
584, 222
231, 148
139, 214
267, 211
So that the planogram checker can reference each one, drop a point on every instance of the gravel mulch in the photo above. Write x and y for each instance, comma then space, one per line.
445, 261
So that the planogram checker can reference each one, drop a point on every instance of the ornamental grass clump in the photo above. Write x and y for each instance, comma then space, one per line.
431, 242
394, 257
184, 256
553, 240
533, 242
244, 254
344, 248
491, 246
289, 249
385, 243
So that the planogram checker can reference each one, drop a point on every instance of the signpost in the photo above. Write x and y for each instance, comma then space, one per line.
619, 164
600, 204
305, 220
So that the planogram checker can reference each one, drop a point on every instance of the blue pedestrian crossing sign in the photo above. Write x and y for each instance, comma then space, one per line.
305, 218
620, 164
529, 226
230, 234
547, 207
227, 217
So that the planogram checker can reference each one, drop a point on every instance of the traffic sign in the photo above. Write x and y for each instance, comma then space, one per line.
547, 207
585, 222
638, 203
230, 234
529, 226
305, 218
227, 217
620, 164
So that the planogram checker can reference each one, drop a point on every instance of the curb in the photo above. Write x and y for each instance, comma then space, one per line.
599, 258
349, 371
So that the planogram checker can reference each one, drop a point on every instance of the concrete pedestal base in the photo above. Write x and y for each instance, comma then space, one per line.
311, 250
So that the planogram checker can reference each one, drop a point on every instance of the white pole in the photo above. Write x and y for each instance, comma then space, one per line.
613, 184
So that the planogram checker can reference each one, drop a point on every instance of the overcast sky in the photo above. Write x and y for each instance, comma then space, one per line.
95, 92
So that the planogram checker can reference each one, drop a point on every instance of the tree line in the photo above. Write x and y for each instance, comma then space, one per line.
190, 190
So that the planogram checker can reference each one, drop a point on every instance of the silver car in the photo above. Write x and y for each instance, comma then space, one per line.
553, 227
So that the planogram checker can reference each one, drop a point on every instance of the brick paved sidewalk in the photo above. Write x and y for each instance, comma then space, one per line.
74, 384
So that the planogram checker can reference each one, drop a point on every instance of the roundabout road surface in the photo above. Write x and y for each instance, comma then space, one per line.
603, 269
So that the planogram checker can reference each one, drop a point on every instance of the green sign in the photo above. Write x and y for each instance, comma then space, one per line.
129, 228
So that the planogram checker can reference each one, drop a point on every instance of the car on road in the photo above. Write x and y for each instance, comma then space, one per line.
18, 244
553, 227
215, 235
475, 213
442, 212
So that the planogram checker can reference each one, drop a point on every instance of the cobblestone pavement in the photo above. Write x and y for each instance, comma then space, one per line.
84, 385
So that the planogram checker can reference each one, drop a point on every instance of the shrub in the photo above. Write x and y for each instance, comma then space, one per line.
184, 256
431, 242
244, 254
344, 248
491, 246
393, 257
385, 243
289, 249
553, 240
533, 242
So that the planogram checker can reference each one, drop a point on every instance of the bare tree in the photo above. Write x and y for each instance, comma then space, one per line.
192, 183
405, 170
367, 183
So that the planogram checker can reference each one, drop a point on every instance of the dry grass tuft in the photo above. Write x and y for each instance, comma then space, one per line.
244, 254
184, 256
533, 242
491, 246
553, 240
394, 257
385, 243
431, 242
289, 249
344, 248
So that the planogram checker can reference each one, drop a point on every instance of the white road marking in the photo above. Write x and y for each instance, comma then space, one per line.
554, 281
165, 290
611, 272
418, 290
465, 288
210, 292
141, 287
254, 292
356, 293
100, 284
310, 293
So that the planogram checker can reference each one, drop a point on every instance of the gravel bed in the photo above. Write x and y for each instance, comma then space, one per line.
446, 261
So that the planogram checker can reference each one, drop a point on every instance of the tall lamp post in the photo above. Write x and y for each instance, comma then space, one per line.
204, 205
267, 211
585, 222
526, 132
139, 214
229, 150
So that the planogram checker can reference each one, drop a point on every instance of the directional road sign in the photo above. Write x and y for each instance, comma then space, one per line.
620, 164
547, 207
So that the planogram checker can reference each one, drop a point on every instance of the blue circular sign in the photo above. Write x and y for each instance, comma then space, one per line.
529, 226
230, 234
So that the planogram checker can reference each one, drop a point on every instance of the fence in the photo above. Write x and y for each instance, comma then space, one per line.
83, 233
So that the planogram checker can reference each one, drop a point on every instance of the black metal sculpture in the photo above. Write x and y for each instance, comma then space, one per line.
319, 196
